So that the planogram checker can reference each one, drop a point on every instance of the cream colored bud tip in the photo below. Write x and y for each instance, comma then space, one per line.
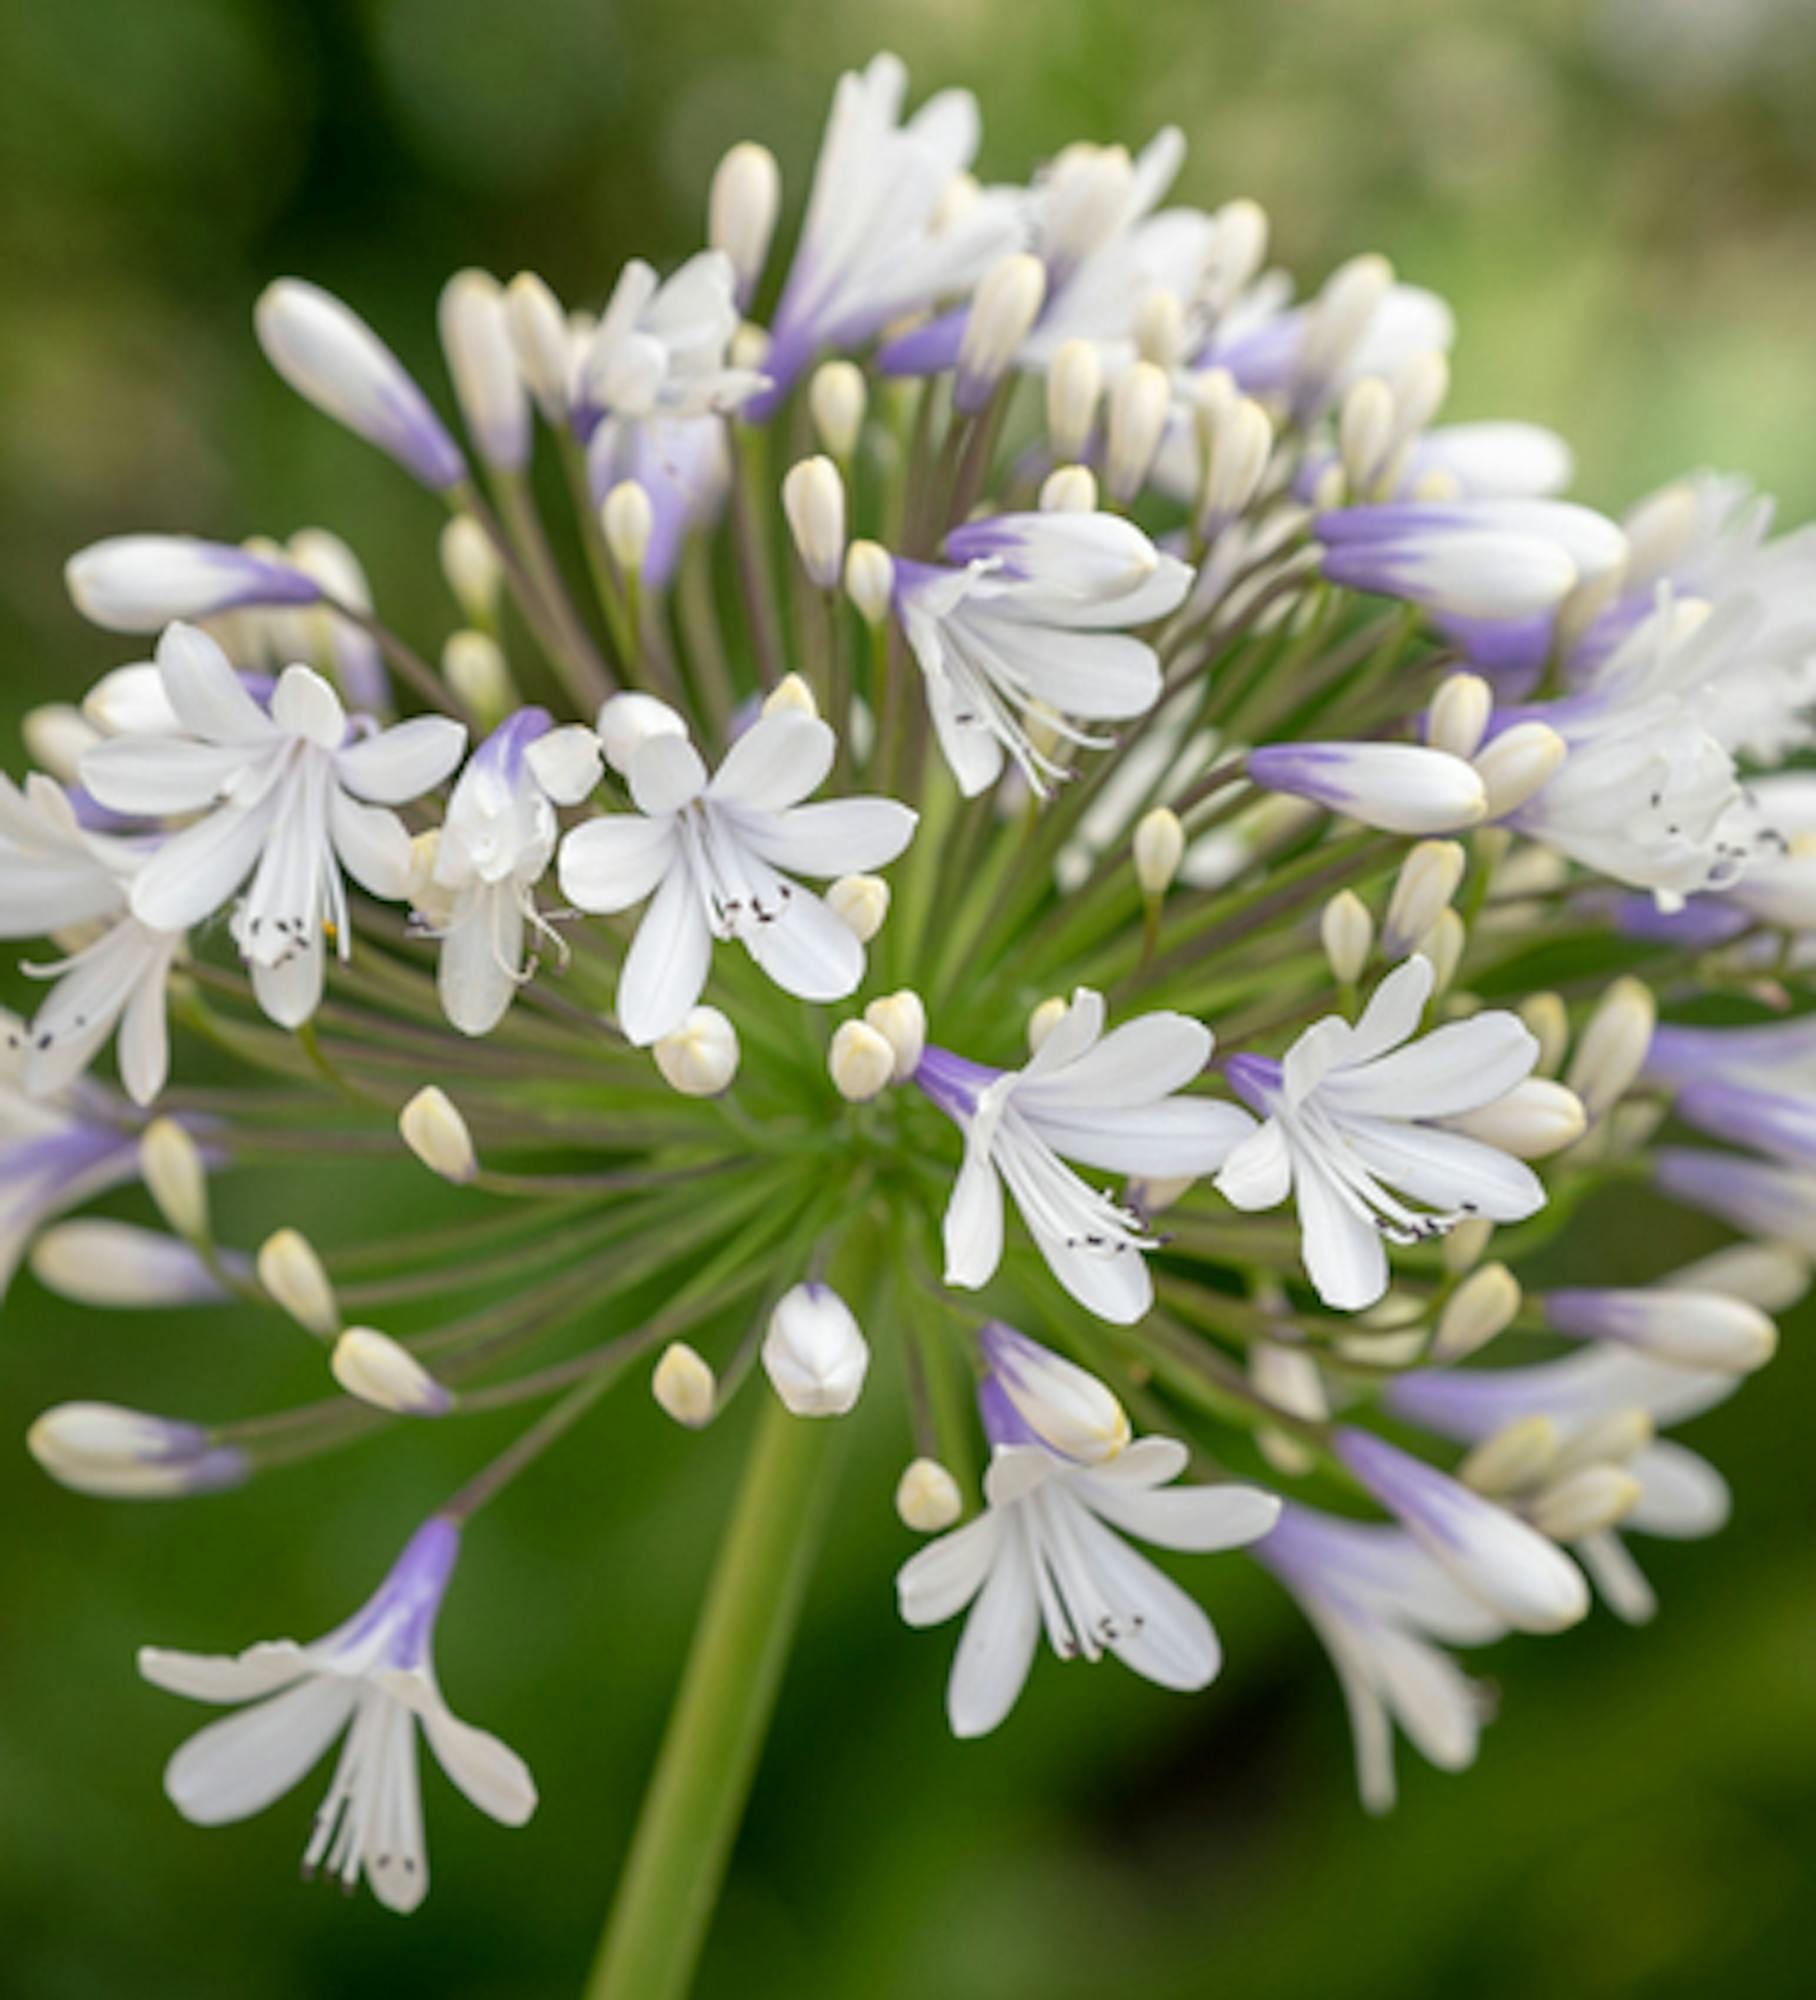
378, 1370
628, 521
836, 399
901, 1020
1348, 934
699, 1058
1069, 489
860, 1061
870, 580
684, 1385
1043, 1020
293, 1275
437, 1134
927, 1497
1159, 846
860, 902
791, 692
171, 1166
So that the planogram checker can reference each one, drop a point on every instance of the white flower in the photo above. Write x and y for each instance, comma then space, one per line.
659, 349
55, 1153
289, 797
1048, 1549
1029, 618
814, 1352
373, 1676
55, 874
1351, 1114
715, 856
1385, 1612
1107, 1101
494, 846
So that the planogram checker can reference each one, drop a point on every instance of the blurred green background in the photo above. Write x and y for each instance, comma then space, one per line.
1621, 200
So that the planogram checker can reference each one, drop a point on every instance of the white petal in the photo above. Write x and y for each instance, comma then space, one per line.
158, 775
259, 1670
937, 1582
1684, 1497
1455, 1068
237, 1767
567, 763
1259, 1171
1343, 1254
373, 846
1185, 1136
1394, 1013
973, 1228
1446, 1169
1202, 1518
665, 969
997, 1648
807, 951
839, 837
776, 763
144, 1045
291, 989
665, 772
480, 952
195, 872
303, 704
1139, 1062
210, 699
1149, 1461
400, 764
1114, 1284
614, 861
1075, 1032
1161, 1633
489, 1772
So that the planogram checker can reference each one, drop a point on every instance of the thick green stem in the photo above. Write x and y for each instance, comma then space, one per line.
709, 1756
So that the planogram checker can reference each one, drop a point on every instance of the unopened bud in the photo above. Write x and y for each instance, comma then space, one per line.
1074, 384
1689, 1329
1420, 387
1240, 441
1365, 428
837, 399
1443, 946
1519, 764
1070, 489
170, 1163
1464, 1246
470, 564
927, 1497
293, 1275
790, 692
684, 1386
1336, 323
121, 1454
901, 1020
99, 1262
1159, 846
814, 1352
628, 721
378, 1370
1771, 1276
1065, 1406
860, 902
1348, 934
1534, 1119
57, 737
1548, 1021
1429, 877
1139, 403
870, 580
1585, 1503
482, 363
1160, 328
1615, 1438
1481, 1307
539, 334
1458, 717
699, 1058
813, 498
628, 521
474, 666
860, 1062
1514, 1458
1611, 1050
437, 1134
741, 210
1044, 1019
1004, 308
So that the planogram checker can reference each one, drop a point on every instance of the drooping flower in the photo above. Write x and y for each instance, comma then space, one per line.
1108, 1101
1048, 1551
1354, 1133
1041, 611
716, 856
373, 1676
287, 796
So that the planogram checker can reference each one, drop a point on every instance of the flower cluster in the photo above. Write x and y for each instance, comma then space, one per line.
1148, 765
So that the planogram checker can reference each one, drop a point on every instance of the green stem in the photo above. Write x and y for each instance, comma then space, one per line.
709, 1755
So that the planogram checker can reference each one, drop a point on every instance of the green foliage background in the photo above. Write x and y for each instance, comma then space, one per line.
1619, 199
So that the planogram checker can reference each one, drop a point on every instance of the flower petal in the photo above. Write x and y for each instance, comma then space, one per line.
1201, 1518
210, 699
838, 837
806, 950
778, 761
402, 763
1259, 1171
938, 1581
259, 1670
973, 1228
666, 967
237, 1767
615, 860
997, 1648
1455, 1068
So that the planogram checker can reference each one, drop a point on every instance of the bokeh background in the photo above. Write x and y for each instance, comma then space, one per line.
1620, 197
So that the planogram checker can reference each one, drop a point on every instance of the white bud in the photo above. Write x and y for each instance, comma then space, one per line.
1240, 441
1139, 403
1534, 1119
837, 400
57, 736
791, 692
121, 1454
1770, 1276
1348, 935
539, 334
476, 339
1519, 764
741, 210
437, 1134
1238, 246
628, 721
1515, 1457
1443, 945
1365, 429
1419, 387
1615, 1438
170, 1163
860, 1061
813, 498
474, 666
1611, 1050
97, 1262
1159, 847
870, 580
1074, 383
1585, 1503
1481, 1307
1065, 1406
1428, 878
1660, 530
814, 1352
1548, 1021
901, 1020
1459, 714
1690, 1329
1160, 328
1069, 489
1337, 321
628, 521
1464, 1246
699, 1058
749, 348
684, 1386
927, 1497
1004, 308
1044, 1019
860, 902
470, 564
293, 1275
378, 1370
